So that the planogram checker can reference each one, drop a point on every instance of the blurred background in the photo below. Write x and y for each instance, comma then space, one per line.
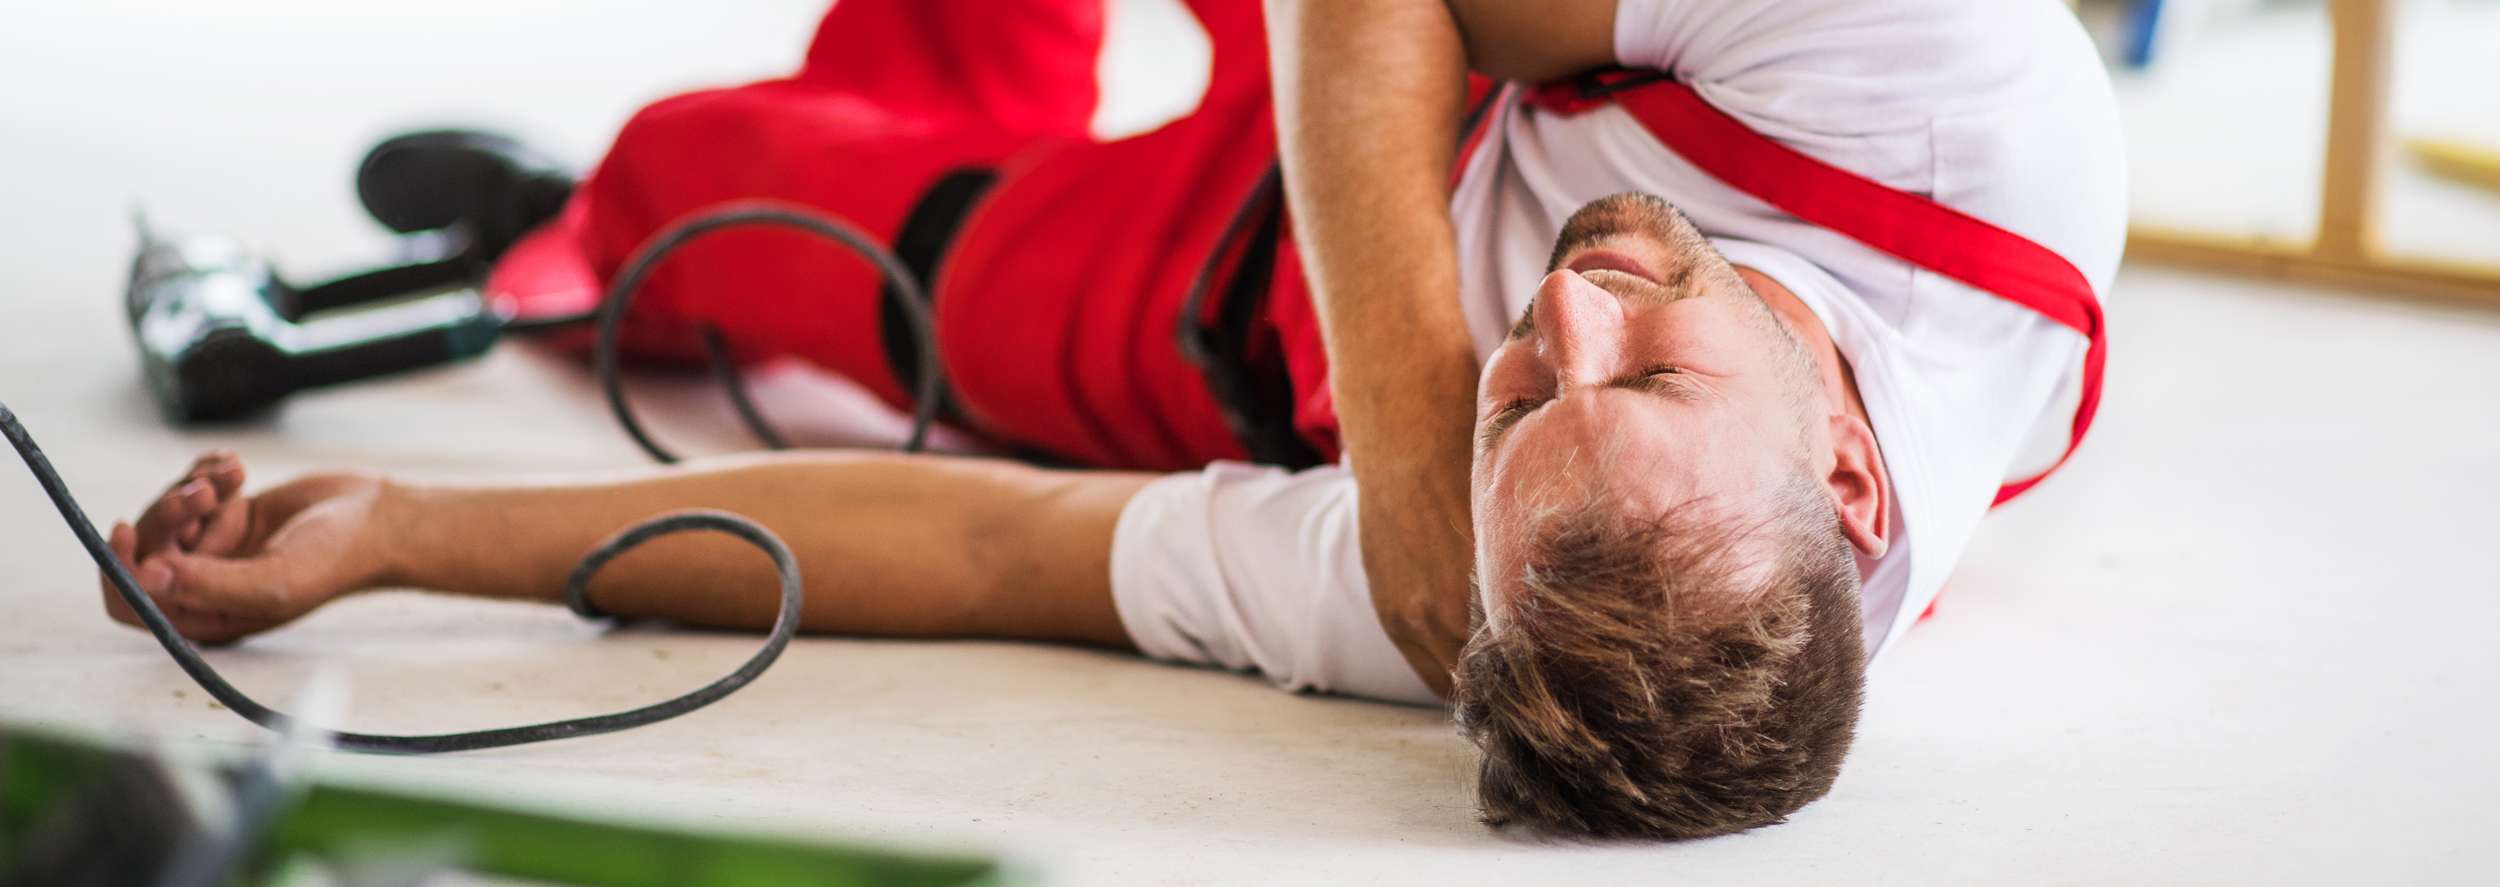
2225, 103
2243, 638
119, 103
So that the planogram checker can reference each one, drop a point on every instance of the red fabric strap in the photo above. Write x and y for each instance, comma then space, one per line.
1489, 96
1906, 226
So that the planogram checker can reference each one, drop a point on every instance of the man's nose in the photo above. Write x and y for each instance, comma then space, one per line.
1582, 328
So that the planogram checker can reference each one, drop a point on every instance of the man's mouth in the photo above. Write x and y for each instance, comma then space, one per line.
1609, 260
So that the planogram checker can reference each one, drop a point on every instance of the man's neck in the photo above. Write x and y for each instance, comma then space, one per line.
1840, 383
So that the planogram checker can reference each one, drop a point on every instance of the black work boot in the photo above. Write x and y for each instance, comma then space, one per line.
488, 188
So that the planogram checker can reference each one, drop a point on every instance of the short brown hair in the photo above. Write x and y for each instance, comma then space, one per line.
1641, 688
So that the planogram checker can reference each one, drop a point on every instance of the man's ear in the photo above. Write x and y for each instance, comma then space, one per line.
1861, 491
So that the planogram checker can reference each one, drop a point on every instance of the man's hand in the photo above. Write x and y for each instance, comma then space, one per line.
224, 566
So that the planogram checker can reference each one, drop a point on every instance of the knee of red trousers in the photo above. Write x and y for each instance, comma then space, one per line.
1026, 66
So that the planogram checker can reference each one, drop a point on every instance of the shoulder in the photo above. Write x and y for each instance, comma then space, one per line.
2001, 109
1849, 66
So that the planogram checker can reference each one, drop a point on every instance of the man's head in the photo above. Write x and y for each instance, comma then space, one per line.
1667, 491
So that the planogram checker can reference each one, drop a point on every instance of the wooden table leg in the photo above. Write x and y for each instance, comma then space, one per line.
2356, 129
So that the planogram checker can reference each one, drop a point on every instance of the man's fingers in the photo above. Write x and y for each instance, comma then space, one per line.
199, 497
158, 520
227, 477
204, 621
193, 501
208, 463
170, 517
253, 588
193, 616
124, 541
155, 578
222, 470
224, 530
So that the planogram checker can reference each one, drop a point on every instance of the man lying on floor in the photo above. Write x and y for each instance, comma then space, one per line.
1698, 466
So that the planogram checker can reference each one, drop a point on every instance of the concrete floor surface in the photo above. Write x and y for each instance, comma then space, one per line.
2245, 638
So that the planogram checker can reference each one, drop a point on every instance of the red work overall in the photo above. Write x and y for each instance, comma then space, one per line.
1060, 294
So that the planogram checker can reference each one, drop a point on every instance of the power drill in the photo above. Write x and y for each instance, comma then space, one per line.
222, 336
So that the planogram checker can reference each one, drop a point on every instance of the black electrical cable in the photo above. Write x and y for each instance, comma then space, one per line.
725, 371
619, 299
617, 302
609, 317
716, 352
785, 624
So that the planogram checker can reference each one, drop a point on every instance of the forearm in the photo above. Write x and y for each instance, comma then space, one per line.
1368, 138
1369, 96
917, 546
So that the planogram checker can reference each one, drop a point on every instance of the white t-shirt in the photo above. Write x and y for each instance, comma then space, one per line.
1997, 108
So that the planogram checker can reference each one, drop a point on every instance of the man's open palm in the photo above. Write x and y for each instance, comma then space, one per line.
224, 566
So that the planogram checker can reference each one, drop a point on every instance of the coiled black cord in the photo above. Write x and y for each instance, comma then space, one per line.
619, 300
610, 318
784, 625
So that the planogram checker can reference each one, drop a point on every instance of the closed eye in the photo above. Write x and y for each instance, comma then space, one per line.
1503, 418
1662, 381
1665, 381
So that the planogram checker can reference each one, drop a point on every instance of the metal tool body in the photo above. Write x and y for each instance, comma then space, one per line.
222, 336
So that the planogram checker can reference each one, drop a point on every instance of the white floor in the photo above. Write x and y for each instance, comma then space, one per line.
2246, 638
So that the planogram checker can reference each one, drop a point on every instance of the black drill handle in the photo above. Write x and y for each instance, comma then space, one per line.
433, 344
378, 285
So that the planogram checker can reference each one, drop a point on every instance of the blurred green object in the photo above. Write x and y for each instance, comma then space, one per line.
73, 811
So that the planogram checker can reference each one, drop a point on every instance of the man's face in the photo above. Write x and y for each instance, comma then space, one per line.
1645, 370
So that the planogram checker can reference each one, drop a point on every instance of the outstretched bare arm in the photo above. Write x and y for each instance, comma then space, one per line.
913, 546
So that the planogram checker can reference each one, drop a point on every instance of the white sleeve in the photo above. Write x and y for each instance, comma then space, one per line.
1257, 568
